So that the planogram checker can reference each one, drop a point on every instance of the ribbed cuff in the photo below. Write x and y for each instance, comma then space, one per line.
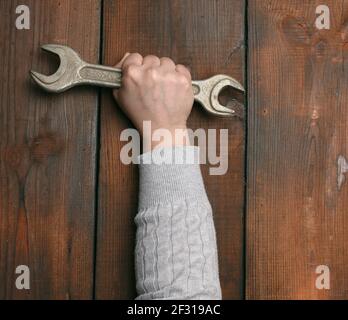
169, 175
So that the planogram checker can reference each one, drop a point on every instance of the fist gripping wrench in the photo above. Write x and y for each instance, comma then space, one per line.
74, 71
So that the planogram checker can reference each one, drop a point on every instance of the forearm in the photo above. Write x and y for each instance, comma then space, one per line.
176, 254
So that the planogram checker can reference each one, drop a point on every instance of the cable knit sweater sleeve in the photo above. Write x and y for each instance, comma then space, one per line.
176, 253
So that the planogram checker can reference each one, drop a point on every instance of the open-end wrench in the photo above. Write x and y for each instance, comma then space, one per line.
74, 71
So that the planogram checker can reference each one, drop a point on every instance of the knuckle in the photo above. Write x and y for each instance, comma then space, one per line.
135, 55
151, 56
183, 69
152, 59
131, 71
152, 73
167, 60
183, 79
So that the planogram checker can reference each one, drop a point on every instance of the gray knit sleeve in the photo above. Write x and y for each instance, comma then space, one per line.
176, 253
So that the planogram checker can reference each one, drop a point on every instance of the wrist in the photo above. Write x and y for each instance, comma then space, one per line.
166, 137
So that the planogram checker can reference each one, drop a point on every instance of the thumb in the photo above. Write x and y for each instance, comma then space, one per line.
120, 63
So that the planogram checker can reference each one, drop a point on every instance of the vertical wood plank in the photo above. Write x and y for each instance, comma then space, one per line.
296, 218
208, 36
47, 154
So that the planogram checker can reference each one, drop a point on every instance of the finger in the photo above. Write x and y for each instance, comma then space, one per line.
167, 64
151, 61
133, 59
183, 70
120, 63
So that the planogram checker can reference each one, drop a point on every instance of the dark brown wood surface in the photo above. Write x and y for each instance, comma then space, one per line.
207, 36
297, 212
47, 154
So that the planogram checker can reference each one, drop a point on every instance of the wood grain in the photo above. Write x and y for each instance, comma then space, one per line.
208, 36
296, 218
47, 154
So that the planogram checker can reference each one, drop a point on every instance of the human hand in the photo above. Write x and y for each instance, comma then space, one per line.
155, 89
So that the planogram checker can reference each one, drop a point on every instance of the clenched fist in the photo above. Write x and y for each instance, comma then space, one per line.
155, 89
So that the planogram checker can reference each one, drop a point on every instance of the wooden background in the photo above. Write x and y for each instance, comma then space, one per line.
297, 214
67, 203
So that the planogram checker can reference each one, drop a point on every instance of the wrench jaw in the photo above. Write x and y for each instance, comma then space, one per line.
66, 75
46, 83
207, 94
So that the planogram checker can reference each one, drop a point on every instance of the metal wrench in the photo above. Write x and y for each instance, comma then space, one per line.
74, 71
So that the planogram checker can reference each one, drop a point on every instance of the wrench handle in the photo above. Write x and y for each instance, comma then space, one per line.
100, 75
